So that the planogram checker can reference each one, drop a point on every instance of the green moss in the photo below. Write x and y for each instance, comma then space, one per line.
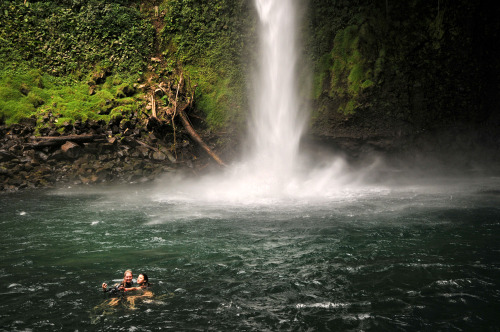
350, 107
367, 84
12, 111
124, 90
104, 95
69, 99
9, 93
206, 38
217, 95
352, 70
355, 78
35, 99
322, 73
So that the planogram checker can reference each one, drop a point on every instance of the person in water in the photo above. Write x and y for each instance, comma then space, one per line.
143, 284
143, 281
124, 286
121, 288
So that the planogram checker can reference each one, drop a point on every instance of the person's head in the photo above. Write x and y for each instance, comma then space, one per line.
142, 279
127, 276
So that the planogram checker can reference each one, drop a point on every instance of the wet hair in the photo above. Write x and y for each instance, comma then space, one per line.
146, 279
124, 283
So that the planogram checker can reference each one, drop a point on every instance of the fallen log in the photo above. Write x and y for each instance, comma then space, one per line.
44, 141
195, 136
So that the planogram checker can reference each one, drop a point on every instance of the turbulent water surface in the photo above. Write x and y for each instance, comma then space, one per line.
414, 257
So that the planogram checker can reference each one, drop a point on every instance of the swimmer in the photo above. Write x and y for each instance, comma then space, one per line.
143, 281
125, 285
143, 284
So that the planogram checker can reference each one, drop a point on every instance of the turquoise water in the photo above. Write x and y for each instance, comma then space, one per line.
414, 257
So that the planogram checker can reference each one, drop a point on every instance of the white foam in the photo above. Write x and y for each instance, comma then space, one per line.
324, 305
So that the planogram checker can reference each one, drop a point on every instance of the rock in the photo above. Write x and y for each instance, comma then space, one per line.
159, 156
67, 126
44, 131
91, 147
53, 132
6, 156
152, 138
71, 150
28, 166
93, 124
42, 156
84, 180
78, 125
28, 122
113, 140
15, 149
169, 155
144, 151
108, 165
4, 171
106, 148
130, 141
135, 154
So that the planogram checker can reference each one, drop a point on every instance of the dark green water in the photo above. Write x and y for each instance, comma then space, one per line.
391, 259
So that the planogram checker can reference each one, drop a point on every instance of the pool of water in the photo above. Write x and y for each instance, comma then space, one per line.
413, 257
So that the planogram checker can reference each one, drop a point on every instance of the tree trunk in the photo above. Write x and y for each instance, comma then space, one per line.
60, 140
195, 136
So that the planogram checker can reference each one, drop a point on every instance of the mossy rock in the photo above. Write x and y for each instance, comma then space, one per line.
125, 90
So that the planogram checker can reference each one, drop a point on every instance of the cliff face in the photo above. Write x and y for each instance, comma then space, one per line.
421, 64
387, 76
407, 78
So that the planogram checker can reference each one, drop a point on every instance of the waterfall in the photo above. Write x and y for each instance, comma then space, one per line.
272, 171
277, 118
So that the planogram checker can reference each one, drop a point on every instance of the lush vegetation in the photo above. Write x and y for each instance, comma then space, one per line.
52, 51
24, 94
209, 40
423, 63
417, 61
72, 36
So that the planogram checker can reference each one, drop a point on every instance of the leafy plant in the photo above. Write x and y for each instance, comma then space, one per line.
208, 39
67, 37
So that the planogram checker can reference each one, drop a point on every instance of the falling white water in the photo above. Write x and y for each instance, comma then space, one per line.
272, 171
277, 116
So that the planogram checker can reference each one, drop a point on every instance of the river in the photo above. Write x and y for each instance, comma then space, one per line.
382, 258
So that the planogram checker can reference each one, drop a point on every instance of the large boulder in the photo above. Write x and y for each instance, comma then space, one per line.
71, 150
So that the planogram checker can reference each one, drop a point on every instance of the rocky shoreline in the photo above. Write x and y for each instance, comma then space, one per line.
139, 150
89, 152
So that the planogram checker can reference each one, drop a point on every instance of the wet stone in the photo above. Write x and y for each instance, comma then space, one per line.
157, 155
71, 150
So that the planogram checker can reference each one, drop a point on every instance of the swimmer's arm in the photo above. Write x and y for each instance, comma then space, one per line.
114, 289
130, 289
134, 288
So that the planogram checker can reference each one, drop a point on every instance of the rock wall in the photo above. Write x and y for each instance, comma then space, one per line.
94, 155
